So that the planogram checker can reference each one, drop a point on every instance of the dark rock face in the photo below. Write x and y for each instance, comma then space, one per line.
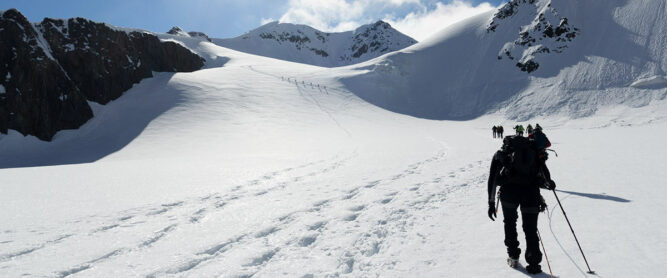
528, 66
319, 52
507, 10
299, 39
39, 97
370, 39
176, 31
56, 65
547, 34
375, 38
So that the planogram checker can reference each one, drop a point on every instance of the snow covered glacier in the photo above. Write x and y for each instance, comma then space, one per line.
255, 166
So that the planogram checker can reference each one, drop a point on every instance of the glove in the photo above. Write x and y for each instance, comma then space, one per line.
551, 185
542, 205
492, 211
543, 155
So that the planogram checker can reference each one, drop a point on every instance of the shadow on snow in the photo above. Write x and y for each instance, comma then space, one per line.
602, 196
112, 128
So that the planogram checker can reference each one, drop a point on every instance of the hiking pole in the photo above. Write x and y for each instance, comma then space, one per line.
575, 236
545, 252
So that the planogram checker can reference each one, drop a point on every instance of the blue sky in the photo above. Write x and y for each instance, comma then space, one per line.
230, 18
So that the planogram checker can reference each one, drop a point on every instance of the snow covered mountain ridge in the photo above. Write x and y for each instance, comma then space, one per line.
526, 59
304, 44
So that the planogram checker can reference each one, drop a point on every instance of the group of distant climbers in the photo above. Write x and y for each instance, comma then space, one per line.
498, 131
519, 129
291, 79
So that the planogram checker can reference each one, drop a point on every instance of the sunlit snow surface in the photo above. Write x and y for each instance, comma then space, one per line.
246, 169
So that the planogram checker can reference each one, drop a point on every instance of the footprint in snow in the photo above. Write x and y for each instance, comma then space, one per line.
357, 208
317, 225
175, 204
261, 193
125, 218
105, 228
307, 240
351, 217
347, 266
157, 212
265, 232
350, 195
385, 201
263, 258
372, 184
197, 215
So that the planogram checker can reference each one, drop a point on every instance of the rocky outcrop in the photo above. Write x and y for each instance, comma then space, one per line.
177, 31
52, 68
39, 98
546, 33
374, 38
201, 35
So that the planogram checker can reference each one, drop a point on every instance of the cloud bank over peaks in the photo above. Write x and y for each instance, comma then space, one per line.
416, 18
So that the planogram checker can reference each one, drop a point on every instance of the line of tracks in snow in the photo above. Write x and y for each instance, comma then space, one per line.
369, 216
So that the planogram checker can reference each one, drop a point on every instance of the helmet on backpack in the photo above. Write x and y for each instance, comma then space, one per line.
540, 139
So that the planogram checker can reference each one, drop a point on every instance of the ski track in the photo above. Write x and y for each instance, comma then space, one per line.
409, 199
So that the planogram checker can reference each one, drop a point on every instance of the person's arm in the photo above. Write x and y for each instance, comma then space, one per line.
495, 168
492, 188
548, 182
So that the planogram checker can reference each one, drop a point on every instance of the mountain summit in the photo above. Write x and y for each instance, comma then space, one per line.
177, 31
304, 44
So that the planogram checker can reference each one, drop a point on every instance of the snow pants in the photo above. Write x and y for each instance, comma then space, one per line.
513, 197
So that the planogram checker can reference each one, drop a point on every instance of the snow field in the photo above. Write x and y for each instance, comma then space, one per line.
234, 171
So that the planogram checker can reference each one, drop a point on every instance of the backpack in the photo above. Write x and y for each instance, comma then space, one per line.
519, 160
541, 140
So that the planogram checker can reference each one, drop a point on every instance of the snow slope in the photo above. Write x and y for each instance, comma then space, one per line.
304, 44
246, 169
530, 58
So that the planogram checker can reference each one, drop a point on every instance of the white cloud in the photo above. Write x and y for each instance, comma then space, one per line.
267, 20
416, 20
421, 25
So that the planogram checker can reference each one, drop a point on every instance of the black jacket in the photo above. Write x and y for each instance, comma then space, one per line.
495, 171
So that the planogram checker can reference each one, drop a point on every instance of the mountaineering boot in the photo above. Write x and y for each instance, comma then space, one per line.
534, 269
512, 262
